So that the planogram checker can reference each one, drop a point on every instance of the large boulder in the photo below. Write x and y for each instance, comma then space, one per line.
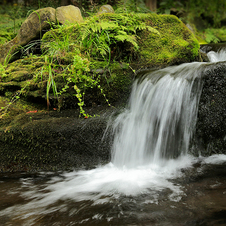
68, 14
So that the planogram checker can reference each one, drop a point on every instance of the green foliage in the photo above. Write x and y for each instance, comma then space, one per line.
100, 35
211, 10
97, 39
166, 5
129, 6
9, 27
214, 35
14, 13
210, 37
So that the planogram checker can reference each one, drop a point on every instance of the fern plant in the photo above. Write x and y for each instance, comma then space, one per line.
99, 35
210, 37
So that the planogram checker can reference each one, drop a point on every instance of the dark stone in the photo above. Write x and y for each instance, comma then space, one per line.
54, 141
210, 137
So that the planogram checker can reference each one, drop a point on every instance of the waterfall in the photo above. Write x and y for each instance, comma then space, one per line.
217, 56
160, 118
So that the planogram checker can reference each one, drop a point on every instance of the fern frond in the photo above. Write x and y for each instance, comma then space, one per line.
153, 30
108, 25
85, 32
128, 38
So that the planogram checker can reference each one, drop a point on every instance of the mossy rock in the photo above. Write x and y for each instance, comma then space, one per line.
176, 43
28, 78
169, 41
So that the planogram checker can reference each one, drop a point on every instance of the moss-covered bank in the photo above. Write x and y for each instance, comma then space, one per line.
95, 61
82, 66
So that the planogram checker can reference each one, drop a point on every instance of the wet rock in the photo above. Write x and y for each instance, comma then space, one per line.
53, 141
211, 125
70, 14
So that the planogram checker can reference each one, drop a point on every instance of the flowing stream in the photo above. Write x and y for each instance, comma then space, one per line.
151, 179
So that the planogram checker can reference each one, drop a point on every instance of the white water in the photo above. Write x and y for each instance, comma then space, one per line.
160, 119
156, 127
217, 56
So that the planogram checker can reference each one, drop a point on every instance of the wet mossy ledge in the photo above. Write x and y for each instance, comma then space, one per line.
76, 71
54, 141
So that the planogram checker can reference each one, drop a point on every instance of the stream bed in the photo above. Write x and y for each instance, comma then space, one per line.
186, 191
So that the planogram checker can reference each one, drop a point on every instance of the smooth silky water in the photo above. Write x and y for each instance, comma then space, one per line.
151, 179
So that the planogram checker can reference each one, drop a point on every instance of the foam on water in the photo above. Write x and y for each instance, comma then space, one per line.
102, 185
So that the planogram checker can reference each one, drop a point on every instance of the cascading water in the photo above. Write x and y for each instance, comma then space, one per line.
160, 119
217, 56
143, 184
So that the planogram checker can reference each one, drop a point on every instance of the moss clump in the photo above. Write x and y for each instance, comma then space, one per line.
175, 44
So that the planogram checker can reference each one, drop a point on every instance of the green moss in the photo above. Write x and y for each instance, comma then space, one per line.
175, 44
